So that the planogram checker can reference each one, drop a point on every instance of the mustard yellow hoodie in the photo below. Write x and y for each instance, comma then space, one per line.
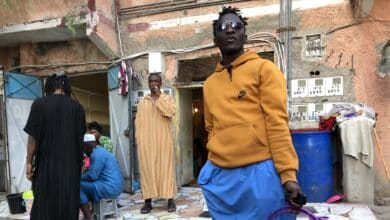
246, 116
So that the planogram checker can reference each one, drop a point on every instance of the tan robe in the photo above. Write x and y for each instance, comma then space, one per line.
156, 158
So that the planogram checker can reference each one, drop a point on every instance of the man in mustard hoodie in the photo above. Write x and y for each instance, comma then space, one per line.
251, 161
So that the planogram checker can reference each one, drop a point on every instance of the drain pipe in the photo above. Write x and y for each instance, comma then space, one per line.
285, 35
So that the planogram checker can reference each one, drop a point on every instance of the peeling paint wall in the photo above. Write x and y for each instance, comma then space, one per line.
9, 56
331, 63
16, 12
77, 51
354, 52
178, 29
134, 3
100, 16
104, 32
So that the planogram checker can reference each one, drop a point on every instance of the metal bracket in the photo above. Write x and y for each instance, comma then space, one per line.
284, 29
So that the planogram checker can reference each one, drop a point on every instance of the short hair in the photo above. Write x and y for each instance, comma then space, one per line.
96, 126
229, 10
155, 74
58, 81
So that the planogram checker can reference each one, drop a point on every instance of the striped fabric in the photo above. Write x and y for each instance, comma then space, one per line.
155, 147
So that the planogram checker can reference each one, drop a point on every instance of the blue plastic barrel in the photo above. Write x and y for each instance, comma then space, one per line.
315, 175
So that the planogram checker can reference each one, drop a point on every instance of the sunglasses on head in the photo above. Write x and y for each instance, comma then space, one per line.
236, 25
58, 75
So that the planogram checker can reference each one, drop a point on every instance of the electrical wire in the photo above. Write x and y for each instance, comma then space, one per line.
265, 37
343, 27
277, 45
370, 16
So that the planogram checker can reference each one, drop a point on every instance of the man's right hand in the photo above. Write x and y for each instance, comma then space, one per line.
294, 195
29, 171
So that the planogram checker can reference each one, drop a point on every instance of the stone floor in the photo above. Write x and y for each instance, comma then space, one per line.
190, 204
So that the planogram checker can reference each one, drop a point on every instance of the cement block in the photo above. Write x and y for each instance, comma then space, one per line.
358, 180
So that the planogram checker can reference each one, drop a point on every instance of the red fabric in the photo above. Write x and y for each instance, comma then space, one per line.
123, 79
87, 163
327, 124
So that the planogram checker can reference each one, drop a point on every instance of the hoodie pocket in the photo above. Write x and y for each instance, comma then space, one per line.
231, 138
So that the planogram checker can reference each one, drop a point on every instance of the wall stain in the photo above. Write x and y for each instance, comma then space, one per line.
138, 27
92, 5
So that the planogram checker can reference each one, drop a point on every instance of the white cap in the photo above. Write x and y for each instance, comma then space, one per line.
89, 138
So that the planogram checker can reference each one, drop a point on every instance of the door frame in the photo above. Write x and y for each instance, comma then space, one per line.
21, 99
179, 133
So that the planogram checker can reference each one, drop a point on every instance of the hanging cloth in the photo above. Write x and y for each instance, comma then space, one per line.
123, 79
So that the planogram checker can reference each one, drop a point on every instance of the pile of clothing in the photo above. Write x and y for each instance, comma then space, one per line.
356, 123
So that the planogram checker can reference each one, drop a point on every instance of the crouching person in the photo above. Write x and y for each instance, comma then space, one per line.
103, 179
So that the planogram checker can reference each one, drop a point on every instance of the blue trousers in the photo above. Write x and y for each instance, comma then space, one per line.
251, 192
88, 192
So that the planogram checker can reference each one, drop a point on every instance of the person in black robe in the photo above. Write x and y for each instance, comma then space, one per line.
55, 129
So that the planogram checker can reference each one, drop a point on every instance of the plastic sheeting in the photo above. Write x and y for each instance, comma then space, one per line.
119, 121
17, 113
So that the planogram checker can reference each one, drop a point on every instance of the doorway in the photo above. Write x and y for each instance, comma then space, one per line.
192, 136
97, 93
91, 90
199, 148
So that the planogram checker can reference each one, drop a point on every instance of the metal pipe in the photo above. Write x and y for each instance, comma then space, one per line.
131, 124
4, 124
288, 40
285, 35
118, 27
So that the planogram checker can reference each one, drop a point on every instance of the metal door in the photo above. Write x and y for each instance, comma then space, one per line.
185, 136
119, 121
20, 92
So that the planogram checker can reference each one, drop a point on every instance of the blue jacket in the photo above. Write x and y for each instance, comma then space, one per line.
105, 173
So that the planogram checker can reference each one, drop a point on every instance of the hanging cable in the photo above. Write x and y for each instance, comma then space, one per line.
265, 37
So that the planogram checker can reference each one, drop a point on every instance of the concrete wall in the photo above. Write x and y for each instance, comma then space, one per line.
355, 53
173, 30
127, 4
9, 56
95, 106
101, 27
77, 51
16, 12
99, 16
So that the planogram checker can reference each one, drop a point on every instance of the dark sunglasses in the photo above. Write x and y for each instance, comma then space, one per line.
236, 25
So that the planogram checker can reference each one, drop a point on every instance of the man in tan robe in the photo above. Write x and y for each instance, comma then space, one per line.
153, 132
